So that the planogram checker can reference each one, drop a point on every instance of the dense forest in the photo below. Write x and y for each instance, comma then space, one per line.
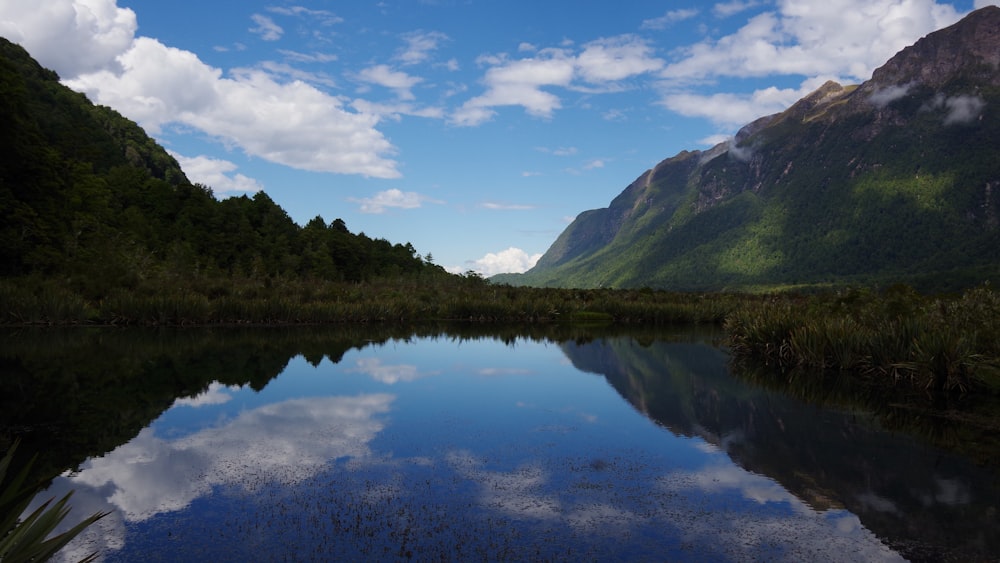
87, 198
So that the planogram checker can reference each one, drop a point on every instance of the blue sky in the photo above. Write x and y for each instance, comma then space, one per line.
474, 129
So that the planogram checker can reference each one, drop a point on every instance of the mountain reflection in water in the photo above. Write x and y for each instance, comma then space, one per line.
397, 444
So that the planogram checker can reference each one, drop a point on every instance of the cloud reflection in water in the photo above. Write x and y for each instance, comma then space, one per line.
282, 443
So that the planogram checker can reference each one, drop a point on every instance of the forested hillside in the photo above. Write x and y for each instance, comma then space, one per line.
87, 198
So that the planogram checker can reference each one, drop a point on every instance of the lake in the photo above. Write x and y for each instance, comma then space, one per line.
462, 443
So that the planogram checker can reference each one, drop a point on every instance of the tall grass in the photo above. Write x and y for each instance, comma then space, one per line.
940, 343
213, 301
944, 342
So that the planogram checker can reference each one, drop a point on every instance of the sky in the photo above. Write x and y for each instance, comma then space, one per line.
476, 130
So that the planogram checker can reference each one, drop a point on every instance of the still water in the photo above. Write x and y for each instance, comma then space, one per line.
441, 444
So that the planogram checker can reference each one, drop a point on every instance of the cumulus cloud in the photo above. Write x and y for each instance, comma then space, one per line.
69, 37
848, 38
512, 260
732, 110
843, 40
216, 174
291, 123
92, 44
392, 198
520, 83
525, 82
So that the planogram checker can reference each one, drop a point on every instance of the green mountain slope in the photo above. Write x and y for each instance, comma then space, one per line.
88, 199
897, 179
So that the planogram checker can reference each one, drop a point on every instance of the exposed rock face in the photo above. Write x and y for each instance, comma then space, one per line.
971, 45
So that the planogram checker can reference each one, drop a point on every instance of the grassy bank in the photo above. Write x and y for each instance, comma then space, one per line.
298, 301
897, 336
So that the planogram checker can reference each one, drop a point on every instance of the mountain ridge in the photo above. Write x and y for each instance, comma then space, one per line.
892, 180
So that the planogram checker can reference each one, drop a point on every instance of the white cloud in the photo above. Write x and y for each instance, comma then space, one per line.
266, 28
843, 40
595, 163
91, 43
731, 110
281, 70
70, 37
669, 18
398, 81
883, 97
392, 198
512, 260
307, 57
288, 123
607, 60
216, 174
419, 45
715, 139
506, 206
324, 17
961, 109
726, 9
522, 82
559, 151
848, 38
395, 110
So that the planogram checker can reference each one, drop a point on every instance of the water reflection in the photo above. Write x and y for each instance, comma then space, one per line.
308, 446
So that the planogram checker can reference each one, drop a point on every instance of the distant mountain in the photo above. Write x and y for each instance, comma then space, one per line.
89, 199
894, 180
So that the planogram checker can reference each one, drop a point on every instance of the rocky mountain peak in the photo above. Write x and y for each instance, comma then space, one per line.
971, 45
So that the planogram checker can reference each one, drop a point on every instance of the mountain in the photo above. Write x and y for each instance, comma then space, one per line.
89, 200
893, 180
